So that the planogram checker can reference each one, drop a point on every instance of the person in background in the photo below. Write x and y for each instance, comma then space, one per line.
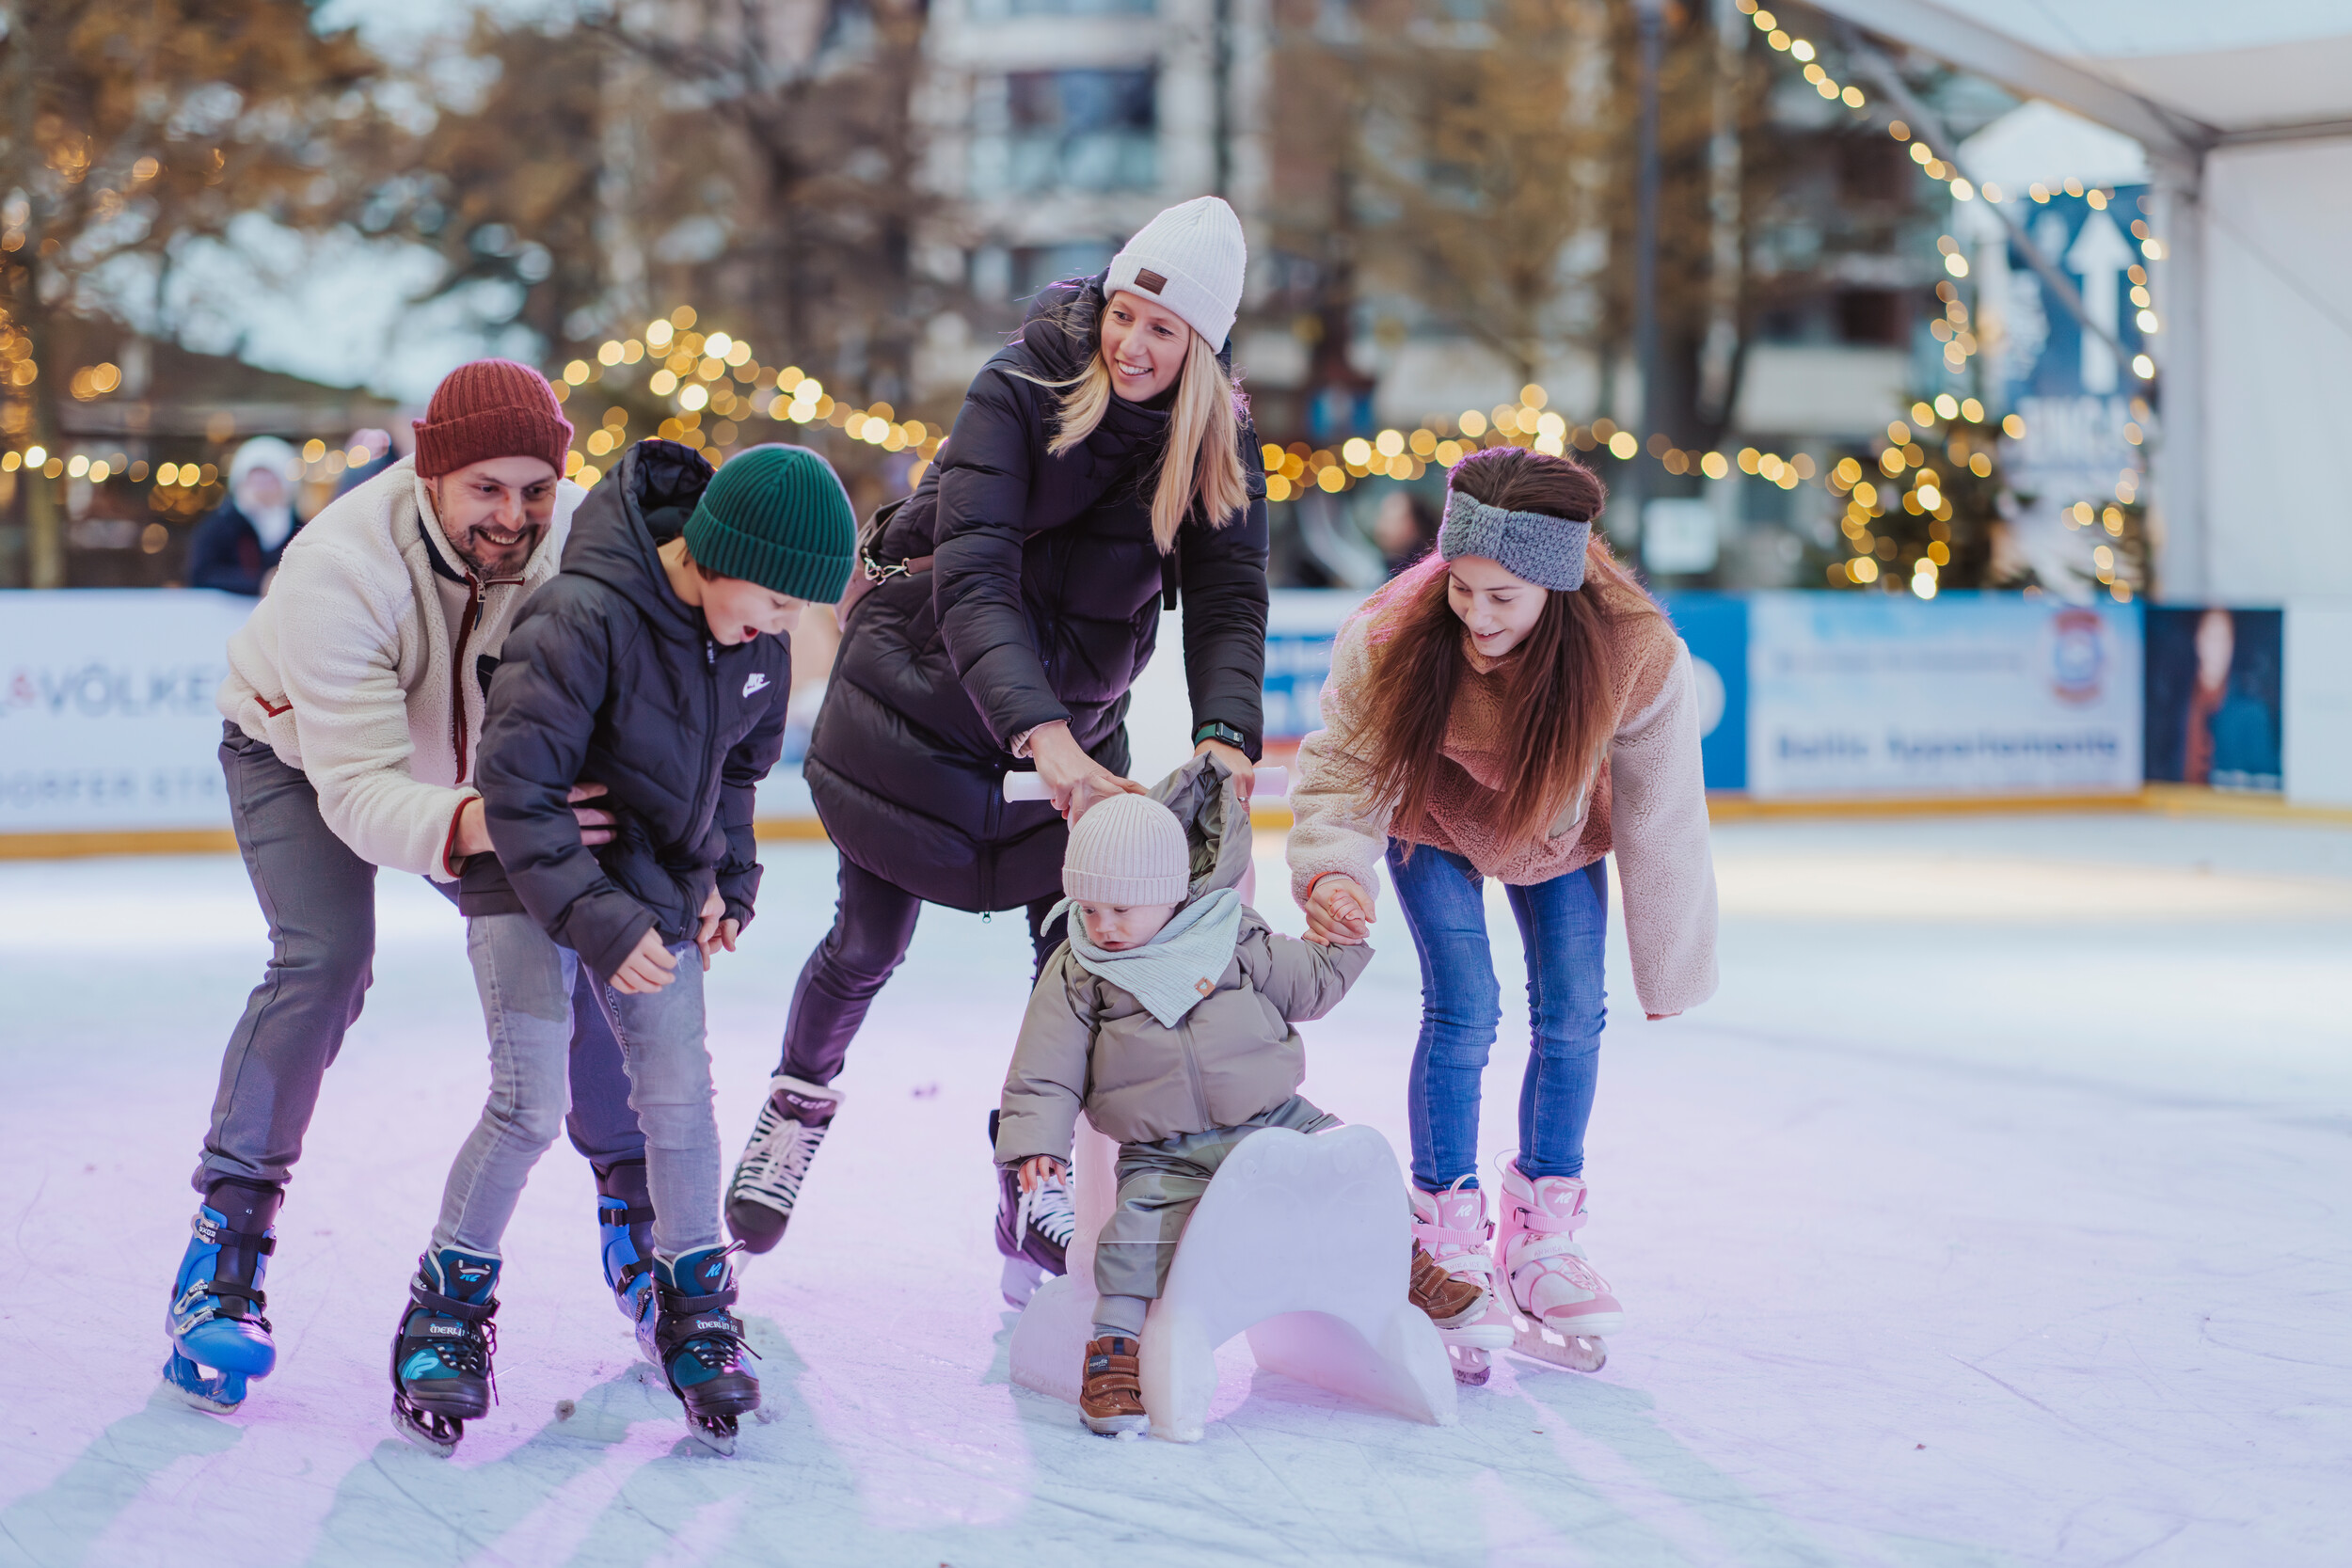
384, 447
1403, 528
239, 544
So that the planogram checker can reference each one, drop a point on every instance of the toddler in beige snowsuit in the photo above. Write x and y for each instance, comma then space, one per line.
1168, 1019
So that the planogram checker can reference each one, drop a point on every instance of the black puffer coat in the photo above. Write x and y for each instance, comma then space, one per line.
609, 675
1043, 604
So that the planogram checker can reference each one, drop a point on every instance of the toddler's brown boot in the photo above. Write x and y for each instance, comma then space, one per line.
1111, 1397
1449, 1299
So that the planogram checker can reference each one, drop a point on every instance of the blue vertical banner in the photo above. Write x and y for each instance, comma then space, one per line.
1715, 625
2087, 415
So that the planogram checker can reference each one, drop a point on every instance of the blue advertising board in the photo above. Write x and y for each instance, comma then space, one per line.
1716, 627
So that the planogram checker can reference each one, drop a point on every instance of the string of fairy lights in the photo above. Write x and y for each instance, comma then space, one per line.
714, 385
716, 377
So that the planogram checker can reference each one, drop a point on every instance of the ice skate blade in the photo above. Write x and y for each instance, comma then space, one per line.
1117, 1426
755, 1226
1019, 1280
1473, 1367
717, 1434
1578, 1353
213, 1393
436, 1434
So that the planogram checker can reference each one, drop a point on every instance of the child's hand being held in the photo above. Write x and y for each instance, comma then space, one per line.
717, 930
648, 967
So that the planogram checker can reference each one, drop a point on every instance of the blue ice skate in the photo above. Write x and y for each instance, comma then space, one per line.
625, 1215
219, 1337
699, 1346
441, 1373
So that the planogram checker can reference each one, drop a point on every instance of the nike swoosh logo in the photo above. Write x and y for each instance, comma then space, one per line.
755, 682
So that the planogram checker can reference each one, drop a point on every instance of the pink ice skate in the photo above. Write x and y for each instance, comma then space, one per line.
1452, 1227
1561, 1306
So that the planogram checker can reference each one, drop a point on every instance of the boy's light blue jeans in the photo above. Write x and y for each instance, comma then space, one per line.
526, 985
1564, 926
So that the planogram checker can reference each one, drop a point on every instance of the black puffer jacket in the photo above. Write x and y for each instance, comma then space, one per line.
609, 675
1043, 604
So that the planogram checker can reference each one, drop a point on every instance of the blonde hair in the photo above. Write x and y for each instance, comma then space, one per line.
1202, 463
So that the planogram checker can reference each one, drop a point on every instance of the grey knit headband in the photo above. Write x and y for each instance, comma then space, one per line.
1545, 550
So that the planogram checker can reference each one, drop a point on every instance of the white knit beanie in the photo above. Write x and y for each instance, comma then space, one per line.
1190, 258
1127, 850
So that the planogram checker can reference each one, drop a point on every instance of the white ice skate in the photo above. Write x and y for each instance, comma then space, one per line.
1452, 1227
1561, 1307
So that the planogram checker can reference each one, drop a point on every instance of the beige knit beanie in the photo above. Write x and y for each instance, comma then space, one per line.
1190, 258
1127, 850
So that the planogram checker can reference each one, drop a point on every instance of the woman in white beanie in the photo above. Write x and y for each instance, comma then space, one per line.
237, 547
1102, 465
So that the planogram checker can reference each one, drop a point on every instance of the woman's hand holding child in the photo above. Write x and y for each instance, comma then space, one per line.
1338, 912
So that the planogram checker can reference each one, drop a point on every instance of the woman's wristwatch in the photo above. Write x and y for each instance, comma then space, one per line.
1216, 729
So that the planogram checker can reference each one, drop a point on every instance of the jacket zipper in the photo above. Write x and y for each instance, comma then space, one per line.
475, 614
1192, 1071
457, 671
704, 781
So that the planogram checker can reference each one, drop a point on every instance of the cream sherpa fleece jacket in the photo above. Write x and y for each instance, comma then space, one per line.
1649, 802
344, 668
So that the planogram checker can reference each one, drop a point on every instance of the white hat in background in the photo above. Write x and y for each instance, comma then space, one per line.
265, 452
1190, 258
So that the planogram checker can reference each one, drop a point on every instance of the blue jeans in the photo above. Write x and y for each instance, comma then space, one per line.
1565, 925
526, 982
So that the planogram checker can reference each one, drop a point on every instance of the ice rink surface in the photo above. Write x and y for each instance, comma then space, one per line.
1995, 1211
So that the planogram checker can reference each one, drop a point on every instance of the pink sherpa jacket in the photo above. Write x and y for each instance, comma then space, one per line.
1649, 803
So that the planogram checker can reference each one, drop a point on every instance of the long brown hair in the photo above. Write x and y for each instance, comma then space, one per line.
1559, 683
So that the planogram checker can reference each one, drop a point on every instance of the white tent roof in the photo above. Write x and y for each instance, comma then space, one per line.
2206, 72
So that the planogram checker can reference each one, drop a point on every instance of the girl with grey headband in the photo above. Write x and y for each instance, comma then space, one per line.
1513, 707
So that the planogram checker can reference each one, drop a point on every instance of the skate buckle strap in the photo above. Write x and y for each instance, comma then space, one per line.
1543, 1223
687, 1307
624, 1216
465, 1312
214, 1234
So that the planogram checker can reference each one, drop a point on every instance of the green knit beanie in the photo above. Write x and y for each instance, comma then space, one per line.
778, 517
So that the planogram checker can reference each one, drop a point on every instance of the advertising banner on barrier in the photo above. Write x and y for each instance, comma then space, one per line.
1715, 627
106, 716
1966, 694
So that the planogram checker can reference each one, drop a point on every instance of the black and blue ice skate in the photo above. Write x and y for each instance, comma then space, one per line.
441, 1376
219, 1337
699, 1346
625, 1215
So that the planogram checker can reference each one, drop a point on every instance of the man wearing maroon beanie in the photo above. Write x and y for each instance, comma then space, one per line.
353, 708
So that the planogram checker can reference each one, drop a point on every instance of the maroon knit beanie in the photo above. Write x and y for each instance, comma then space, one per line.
490, 408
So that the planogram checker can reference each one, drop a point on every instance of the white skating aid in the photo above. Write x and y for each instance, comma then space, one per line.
1300, 1242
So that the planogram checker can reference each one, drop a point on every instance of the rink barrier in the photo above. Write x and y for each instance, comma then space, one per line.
1722, 806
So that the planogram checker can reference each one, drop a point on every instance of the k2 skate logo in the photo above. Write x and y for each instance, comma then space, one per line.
755, 682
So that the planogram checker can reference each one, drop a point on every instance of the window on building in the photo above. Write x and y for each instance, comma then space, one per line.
1082, 130
996, 10
1036, 266
1881, 317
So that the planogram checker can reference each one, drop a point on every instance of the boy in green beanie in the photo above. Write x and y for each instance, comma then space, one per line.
653, 669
